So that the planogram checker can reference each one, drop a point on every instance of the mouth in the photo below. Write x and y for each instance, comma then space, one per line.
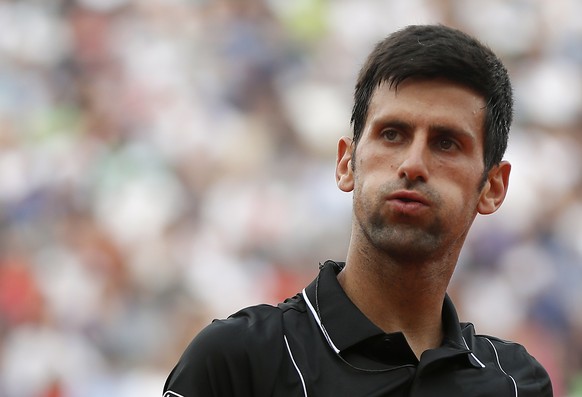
408, 196
405, 199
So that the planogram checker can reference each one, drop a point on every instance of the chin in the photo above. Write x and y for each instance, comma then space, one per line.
407, 246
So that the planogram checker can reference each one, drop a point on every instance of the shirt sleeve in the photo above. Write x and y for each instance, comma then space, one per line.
236, 357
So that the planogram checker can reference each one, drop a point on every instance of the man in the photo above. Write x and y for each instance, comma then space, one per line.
430, 121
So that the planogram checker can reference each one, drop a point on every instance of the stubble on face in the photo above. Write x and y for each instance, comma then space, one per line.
399, 236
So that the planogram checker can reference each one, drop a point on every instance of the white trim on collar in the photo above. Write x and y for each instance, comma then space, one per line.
318, 320
473, 355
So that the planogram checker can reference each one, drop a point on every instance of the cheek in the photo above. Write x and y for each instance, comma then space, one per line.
459, 182
374, 165
462, 196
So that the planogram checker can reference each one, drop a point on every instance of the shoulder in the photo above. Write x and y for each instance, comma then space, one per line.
507, 354
238, 335
253, 324
229, 353
513, 361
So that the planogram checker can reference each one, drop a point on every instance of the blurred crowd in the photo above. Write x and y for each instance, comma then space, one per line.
167, 162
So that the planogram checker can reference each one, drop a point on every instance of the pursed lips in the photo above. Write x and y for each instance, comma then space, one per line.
408, 196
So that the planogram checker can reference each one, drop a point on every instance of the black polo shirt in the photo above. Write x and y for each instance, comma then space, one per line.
319, 343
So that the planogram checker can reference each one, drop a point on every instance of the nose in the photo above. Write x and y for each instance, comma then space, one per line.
414, 164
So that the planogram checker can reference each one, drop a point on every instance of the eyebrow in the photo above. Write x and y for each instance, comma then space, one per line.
391, 122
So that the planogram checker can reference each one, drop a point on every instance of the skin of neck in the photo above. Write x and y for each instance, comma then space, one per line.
397, 295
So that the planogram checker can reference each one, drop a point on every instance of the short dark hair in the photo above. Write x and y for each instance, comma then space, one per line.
437, 51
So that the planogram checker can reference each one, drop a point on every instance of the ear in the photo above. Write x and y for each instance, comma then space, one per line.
344, 175
495, 189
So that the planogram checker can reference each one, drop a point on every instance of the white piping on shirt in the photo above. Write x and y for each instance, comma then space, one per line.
501, 368
331, 344
317, 319
295, 365
472, 354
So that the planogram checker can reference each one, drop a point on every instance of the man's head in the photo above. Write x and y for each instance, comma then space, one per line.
431, 119
436, 51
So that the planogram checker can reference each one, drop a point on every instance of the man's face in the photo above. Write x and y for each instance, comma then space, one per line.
417, 168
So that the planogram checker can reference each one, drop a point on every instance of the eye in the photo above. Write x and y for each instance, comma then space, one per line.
391, 135
447, 144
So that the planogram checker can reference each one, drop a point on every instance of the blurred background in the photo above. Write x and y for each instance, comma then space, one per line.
167, 162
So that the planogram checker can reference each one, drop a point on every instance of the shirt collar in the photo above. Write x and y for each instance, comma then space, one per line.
332, 307
333, 310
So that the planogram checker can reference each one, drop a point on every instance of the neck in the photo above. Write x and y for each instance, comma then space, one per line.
397, 296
